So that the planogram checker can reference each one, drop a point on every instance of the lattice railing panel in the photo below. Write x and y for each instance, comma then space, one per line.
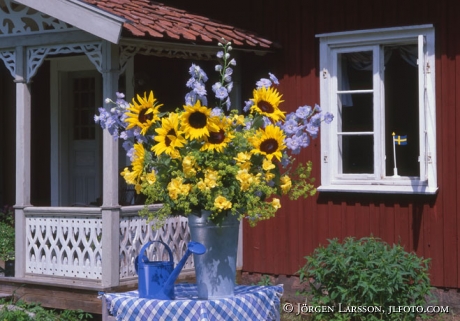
64, 246
135, 231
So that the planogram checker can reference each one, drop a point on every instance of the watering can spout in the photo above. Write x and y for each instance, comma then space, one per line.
192, 248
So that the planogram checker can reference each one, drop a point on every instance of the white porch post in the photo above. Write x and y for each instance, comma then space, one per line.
23, 136
110, 207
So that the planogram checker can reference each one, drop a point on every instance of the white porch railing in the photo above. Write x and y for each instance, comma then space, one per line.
67, 241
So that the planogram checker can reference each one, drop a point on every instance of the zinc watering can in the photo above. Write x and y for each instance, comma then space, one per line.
156, 278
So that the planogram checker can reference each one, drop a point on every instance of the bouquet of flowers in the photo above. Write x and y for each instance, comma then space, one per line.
215, 159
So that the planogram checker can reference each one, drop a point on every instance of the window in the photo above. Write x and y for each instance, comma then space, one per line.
379, 84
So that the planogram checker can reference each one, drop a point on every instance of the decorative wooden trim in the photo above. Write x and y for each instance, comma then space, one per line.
80, 15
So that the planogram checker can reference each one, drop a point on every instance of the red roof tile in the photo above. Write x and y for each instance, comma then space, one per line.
151, 19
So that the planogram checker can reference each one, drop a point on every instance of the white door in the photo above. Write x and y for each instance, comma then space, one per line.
76, 155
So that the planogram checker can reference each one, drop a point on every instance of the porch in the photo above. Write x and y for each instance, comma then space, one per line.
73, 253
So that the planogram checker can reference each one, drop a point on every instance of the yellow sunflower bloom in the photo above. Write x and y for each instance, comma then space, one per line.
197, 122
266, 102
169, 136
143, 113
269, 142
222, 203
218, 140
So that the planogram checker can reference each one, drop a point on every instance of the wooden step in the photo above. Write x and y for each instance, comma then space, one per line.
6, 296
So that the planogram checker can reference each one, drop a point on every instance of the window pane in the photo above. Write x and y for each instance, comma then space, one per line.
359, 116
355, 72
357, 154
402, 109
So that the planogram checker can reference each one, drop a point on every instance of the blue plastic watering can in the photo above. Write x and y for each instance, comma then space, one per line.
156, 278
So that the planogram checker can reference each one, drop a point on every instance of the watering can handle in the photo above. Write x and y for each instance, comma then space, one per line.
144, 248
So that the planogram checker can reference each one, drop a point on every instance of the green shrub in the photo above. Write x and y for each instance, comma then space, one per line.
22, 311
6, 241
364, 275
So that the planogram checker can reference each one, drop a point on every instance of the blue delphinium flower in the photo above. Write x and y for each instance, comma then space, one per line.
247, 105
273, 78
263, 82
328, 117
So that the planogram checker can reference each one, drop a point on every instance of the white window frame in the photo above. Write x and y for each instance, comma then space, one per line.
331, 45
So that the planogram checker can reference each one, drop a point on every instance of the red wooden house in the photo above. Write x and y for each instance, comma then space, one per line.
322, 42
380, 66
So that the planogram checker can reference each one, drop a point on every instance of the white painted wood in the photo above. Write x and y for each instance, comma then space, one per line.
85, 17
110, 212
332, 178
72, 242
21, 20
23, 137
136, 231
111, 172
60, 37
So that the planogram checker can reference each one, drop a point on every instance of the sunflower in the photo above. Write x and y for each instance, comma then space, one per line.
169, 136
269, 142
133, 177
266, 101
143, 113
218, 140
197, 121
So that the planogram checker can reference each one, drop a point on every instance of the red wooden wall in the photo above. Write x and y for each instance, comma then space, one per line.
428, 225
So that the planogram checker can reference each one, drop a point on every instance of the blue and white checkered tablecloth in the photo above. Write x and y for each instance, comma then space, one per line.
249, 303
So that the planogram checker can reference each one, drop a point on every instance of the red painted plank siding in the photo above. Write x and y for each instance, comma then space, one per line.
428, 225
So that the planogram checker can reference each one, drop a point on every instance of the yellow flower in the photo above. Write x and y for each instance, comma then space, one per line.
246, 179
133, 177
143, 113
266, 102
188, 166
201, 186
222, 203
219, 139
210, 178
269, 176
151, 178
276, 203
197, 122
238, 119
286, 184
169, 136
174, 187
269, 142
267, 165
243, 160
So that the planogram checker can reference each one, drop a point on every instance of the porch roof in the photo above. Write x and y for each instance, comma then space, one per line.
153, 20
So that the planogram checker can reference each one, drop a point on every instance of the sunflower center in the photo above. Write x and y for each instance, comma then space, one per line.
170, 132
197, 120
269, 146
144, 117
265, 106
217, 137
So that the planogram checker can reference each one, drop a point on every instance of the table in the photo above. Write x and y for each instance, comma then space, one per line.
249, 303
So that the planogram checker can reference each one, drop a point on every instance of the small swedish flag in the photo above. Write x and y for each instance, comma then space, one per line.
400, 140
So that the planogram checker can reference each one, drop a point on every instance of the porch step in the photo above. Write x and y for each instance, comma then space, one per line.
5, 296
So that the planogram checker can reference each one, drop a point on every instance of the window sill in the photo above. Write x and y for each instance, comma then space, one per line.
384, 189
